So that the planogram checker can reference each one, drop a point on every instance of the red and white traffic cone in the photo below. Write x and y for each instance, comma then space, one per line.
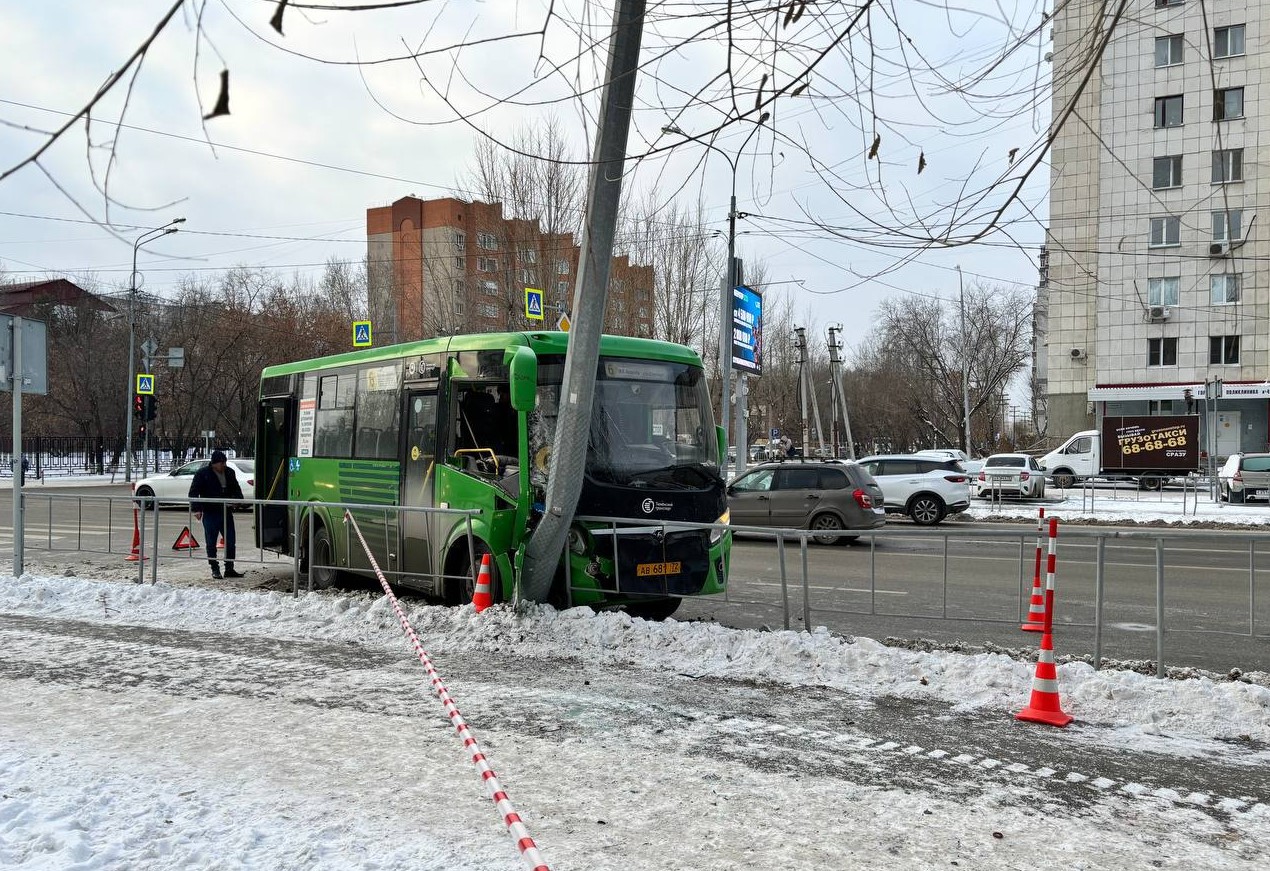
481, 597
1045, 705
1036, 609
136, 540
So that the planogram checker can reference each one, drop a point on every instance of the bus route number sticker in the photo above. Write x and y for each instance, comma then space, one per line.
645, 570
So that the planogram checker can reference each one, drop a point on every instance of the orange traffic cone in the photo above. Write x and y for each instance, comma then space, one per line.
481, 597
1045, 706
1036, 609
136, 541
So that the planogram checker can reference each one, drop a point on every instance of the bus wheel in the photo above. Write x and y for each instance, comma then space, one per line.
653, 609
325, 575
461, 589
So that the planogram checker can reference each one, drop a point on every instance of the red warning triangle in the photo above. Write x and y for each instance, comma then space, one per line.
185, 541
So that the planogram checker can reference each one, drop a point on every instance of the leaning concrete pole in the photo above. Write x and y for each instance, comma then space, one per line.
573, 425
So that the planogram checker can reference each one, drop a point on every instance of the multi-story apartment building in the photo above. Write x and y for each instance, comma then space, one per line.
1156, 280
446, 266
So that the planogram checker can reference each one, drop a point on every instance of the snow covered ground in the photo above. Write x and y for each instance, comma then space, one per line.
148, 727
1105, 504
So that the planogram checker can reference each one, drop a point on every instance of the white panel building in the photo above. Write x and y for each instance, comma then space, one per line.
1157, 251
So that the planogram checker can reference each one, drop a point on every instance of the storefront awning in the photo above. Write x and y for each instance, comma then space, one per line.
1130, 392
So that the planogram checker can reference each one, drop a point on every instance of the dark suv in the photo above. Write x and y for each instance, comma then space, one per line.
825, 496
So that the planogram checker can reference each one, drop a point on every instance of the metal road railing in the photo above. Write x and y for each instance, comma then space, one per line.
1173, 600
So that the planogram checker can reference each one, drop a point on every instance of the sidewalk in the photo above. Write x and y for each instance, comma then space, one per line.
33, 483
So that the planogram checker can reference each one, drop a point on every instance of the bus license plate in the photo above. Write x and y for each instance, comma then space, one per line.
644, 570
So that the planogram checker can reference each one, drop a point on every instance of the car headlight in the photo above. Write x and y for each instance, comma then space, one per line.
724, 520
577, 540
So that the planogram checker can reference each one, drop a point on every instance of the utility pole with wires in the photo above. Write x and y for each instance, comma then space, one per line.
800, 343
840, 397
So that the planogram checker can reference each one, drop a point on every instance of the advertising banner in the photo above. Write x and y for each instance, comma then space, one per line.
747, 330
1159, 443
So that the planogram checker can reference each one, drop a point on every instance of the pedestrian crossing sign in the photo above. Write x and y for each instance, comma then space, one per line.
533, 304
145, 385
361, 334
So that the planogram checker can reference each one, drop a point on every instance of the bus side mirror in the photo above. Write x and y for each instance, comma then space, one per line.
523, 366
721, 436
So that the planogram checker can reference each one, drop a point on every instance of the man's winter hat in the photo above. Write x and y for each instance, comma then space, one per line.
218, 457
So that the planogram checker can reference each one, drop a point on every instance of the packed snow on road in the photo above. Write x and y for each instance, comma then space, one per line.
149, 727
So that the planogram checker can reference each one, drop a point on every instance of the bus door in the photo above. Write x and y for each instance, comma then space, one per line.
417, 486
275, 425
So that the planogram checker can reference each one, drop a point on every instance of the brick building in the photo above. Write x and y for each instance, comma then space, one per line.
446, 266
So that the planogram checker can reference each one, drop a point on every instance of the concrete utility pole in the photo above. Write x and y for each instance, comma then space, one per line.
800, 342
965, 362
573, 425
835, 369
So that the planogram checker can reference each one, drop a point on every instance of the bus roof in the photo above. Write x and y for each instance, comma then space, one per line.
543, 342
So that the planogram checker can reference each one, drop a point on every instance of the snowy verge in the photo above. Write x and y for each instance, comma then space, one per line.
1126, 701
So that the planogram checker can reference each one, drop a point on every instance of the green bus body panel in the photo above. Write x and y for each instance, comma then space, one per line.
378, 482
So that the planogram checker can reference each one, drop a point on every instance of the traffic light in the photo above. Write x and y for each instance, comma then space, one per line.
148, 407
137, 405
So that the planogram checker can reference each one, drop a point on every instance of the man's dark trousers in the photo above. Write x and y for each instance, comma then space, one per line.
216, 523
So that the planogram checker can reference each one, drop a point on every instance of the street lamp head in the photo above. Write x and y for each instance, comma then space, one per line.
673, 129
177, 221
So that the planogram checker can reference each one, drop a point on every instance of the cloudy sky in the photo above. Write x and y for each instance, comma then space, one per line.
313, 137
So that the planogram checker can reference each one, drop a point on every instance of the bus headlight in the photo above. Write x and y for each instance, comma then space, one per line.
577, 540
717, 534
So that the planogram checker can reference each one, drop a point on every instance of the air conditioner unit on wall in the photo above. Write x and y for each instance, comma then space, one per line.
1078, 353
1158, 312
1218, 249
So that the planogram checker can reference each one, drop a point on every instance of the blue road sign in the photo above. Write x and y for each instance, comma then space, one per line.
145, 385
533, 304
361, 334
776, 433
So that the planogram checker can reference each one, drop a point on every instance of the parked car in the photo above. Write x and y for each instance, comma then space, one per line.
971, 466
1243, 476
823, 496
174, 487
925, 488
1011, 475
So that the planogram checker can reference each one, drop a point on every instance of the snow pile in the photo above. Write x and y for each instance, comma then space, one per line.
1127, 702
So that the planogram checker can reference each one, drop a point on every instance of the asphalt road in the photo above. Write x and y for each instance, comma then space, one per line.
900, 588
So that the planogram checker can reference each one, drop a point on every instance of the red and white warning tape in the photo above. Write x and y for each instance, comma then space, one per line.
520, 834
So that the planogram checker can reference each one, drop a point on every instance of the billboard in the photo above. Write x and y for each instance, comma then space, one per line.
747, 330
1159, 443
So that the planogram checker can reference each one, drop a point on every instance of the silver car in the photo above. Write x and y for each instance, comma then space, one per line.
1011, 475
823, 496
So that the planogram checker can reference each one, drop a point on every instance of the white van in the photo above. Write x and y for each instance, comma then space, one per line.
1074, 460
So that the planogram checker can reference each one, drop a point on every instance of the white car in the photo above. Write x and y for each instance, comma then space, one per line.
925, 488
174, 487
1011, 475
971, 466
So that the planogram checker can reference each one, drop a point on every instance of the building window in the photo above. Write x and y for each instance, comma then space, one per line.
1159, 406
1228, 103
487, 264
643, 312
1165, 232
1223, 350
459, 289
458, 307
487, 311
458, 239
486, 241
1227, 226
1228, 41
490, 288
460, 261
1228, 165
1168, 111
1162, 291
1162, 352
529, 255
1168, 50
1166, 172
562, 288
562, 267
1223, 289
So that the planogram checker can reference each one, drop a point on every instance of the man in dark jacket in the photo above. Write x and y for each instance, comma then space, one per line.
216, 481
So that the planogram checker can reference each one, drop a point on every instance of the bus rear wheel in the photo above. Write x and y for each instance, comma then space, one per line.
322, 560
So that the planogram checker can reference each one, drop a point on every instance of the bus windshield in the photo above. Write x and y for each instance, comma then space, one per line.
651, 424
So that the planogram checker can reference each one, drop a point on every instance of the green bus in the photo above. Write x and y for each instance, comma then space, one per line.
467, 422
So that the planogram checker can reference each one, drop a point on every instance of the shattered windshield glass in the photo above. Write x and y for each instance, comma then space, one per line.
651, 424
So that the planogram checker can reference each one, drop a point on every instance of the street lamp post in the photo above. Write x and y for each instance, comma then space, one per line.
965, 362
725, 302
148, 236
